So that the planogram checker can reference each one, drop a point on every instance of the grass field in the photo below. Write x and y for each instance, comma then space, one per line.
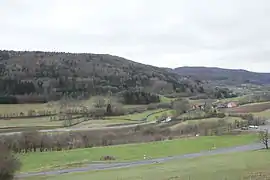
101, 123
226, 119
201, 101
45, 121
130, 118
41, 121
236, 99
17, 108
216, 100
154, 116
263, 114
165, 99
52, 160
138, 116
192, 114
253, 165
250, 108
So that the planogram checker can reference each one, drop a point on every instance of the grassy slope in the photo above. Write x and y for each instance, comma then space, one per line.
31, 122
18, 108
136, 116
263, 114
226, 119
166, 99
153, 117
249, 108
45, 121
49, 160
253, 165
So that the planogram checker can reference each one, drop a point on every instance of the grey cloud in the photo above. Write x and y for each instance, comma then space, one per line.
231, 33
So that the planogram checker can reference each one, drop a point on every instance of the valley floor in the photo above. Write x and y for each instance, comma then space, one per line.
252, 165
132, 152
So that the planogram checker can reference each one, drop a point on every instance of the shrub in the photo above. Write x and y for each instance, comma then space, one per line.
221, 115
9, 164
165, 132
107, 139
158, 137
170, 138
181, 106
137, 128
107, 158
150, 131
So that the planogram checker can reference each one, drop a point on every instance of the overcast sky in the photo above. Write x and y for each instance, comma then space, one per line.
167, 33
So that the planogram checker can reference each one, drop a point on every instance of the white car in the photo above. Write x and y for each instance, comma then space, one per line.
253, 127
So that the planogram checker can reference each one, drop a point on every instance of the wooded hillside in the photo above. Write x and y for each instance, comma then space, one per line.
52, 75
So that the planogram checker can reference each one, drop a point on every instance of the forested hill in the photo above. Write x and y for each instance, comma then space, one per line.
227, 76
54, 74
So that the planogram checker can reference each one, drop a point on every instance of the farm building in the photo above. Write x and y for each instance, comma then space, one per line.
198, 106
231, 105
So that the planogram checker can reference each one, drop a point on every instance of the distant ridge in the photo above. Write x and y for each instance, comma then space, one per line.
224, 75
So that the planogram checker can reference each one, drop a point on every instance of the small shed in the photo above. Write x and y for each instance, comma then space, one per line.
231, 105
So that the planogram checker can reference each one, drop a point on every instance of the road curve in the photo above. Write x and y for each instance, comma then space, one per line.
105, 166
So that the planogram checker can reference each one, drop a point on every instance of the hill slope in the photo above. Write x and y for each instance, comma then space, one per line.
53, 73
227, 76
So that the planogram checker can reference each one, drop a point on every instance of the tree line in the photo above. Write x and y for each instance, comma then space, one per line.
34, 141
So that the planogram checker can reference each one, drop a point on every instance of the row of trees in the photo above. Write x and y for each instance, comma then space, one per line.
28, 114
34, 141
73, 116
139, 97
127, 97
27, 98
10, 164
250, 118
254, 98
17, 87
221, 93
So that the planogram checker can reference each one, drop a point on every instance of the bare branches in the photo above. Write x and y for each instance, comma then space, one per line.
264, 138
9, 164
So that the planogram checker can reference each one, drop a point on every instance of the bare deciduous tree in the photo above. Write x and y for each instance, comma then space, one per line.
9, 164
181, 106
264, 137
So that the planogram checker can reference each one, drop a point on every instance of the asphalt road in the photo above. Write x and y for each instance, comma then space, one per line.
105, 166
